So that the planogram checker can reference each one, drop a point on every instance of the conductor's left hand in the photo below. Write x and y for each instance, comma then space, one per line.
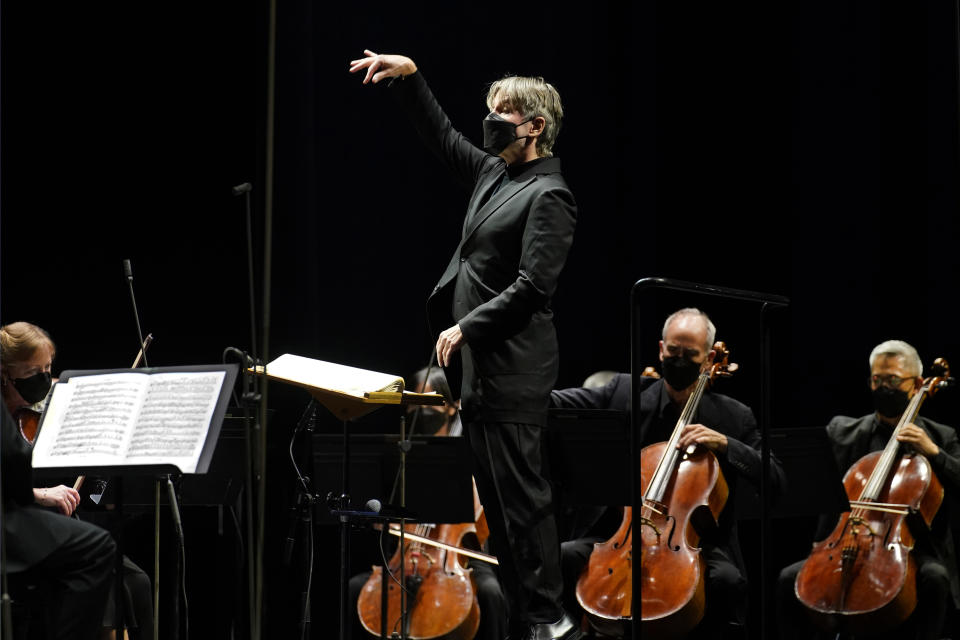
382, 66
448, 342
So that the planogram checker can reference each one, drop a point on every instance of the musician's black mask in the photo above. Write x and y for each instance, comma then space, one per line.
428, 422
35, 388
499, 133
890, 402
679, 372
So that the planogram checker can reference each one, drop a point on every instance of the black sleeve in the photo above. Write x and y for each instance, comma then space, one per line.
743, 452
458, 153
547, 236
584, 398
16, 459
946, 464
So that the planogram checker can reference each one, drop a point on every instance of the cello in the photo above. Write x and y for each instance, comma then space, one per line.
862, 577
441, 597
682, 491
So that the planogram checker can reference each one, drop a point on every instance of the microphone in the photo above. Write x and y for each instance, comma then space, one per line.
172, 497
241, 189
388, 510
127, 270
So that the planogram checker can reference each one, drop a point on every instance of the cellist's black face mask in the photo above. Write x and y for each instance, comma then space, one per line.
35, 388
679, 372
428, 422
890, 402
499, 133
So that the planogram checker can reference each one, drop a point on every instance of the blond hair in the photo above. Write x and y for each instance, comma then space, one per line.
532, 98
19, 341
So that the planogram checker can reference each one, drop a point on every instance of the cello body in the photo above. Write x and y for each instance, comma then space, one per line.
442, 599
862, 578
671, 567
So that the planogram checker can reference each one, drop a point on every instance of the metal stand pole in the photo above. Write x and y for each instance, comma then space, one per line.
344, 505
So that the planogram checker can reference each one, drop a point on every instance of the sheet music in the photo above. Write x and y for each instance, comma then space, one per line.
331, 376
98, 416
129, 419
174, 417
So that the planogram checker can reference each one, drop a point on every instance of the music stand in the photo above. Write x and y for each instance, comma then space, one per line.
375, 462
73, 411
800, 450
339, 388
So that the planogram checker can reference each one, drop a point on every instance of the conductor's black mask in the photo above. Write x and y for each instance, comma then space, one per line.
499, 133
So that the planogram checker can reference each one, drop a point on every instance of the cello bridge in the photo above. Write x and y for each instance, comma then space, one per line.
857, 521
648, 522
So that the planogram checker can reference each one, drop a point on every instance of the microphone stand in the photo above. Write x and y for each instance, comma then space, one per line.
252, 398
118, 600
302, 518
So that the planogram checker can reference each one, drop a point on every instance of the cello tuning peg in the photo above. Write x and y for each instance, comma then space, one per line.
732, 367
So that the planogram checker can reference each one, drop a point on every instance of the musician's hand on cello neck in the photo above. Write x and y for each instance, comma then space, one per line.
704, 436
917, 438
63, 498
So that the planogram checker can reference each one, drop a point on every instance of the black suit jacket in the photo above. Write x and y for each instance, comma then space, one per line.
716, 411
29, 530
499, 281
851, 439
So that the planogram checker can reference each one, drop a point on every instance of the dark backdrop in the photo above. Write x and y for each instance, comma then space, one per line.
803, 149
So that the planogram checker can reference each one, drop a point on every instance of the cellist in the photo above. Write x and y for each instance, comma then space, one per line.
445, 421
895, 376
723, 425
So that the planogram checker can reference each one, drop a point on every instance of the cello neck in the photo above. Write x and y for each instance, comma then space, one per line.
892, 450
671, 455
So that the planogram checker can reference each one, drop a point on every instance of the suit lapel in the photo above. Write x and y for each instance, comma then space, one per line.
496, 201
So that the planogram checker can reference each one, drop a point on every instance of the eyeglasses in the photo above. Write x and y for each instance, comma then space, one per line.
887, 380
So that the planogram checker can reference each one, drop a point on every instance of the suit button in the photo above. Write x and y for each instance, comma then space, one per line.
463, 259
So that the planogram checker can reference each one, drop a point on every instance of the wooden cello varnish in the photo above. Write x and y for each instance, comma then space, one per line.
442, 601
683, 491
862, 577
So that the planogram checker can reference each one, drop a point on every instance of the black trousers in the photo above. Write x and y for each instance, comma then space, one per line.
517, 500
926, 621
137, 601
77, 575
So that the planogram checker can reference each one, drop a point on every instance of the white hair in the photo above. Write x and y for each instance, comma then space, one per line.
691, 311
599, 379
899, 349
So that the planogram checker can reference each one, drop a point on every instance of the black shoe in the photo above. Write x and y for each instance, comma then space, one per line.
566, 628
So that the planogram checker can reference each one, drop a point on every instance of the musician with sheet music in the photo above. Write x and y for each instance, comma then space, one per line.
73, 559
26, 360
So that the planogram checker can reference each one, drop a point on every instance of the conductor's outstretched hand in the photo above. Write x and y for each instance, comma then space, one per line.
382, 66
